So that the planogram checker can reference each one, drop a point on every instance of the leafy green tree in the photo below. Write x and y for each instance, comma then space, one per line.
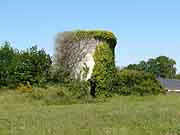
33, 66
165, 67
7, 64
161, 67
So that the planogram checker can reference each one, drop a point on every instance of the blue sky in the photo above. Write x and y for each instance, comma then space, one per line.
144, 28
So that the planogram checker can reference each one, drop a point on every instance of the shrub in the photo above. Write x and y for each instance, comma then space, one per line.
24, 88
78, 88
59, 74
38, 93
132, 82
63, 95
53, 95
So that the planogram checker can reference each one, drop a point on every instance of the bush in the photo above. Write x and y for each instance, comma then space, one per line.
59, 74
63, 95
132, 82
78, 88
24, 88
29, 67
54, 95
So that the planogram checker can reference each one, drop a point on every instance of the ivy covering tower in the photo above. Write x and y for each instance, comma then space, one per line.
88, 54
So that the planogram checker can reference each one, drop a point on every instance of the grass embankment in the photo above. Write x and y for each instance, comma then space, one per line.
131, 115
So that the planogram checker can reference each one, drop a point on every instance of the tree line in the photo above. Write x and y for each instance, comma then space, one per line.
34, 67
161, 66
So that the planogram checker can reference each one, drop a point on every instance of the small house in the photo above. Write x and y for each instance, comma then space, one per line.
170, 84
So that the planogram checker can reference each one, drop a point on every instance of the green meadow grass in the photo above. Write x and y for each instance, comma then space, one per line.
130, 115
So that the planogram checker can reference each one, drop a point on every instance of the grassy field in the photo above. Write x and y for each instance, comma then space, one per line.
131, 115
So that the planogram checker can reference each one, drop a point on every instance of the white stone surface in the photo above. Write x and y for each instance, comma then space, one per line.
77, 54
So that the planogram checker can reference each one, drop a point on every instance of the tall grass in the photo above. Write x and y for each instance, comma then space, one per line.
21, 114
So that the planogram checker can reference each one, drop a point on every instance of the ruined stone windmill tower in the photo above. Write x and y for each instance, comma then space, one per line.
87, 53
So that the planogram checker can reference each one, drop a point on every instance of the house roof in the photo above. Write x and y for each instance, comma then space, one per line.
170, 84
